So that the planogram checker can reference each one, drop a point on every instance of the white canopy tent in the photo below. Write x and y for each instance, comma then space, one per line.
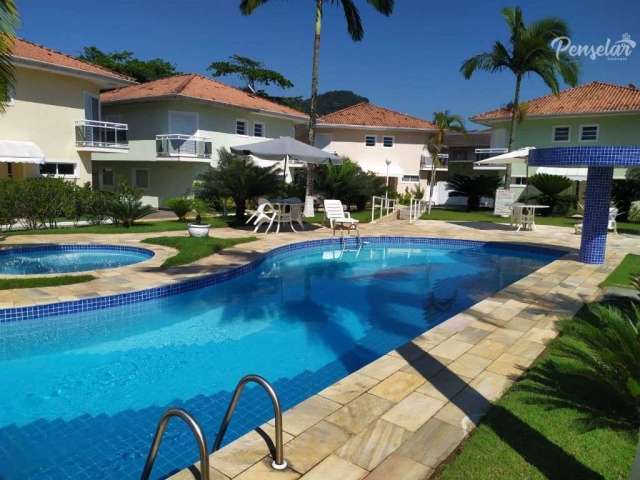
381, 169
12, 151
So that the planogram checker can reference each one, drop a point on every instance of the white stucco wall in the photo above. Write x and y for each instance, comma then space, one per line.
350, 142
43, 111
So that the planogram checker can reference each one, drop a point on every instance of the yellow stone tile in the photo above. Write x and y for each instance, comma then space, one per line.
488, 349
263, 471
509, 365
397, 386
382, 367
348, 388
360, 413
306, 414
414, 411
335, 467
451, 349
314, 445
400, 468
469, 365
432, 443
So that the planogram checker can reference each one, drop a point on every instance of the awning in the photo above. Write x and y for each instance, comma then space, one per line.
571, 173
12, 151
515, 157
287, 148
381, 170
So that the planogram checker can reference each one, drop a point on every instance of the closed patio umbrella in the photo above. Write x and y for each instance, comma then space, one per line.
287, 149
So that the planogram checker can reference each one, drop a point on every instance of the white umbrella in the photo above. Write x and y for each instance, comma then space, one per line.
282, 165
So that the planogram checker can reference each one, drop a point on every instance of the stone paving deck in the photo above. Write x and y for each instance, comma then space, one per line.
406, 412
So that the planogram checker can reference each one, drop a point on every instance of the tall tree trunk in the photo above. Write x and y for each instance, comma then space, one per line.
314, 91
432, 181
512, 127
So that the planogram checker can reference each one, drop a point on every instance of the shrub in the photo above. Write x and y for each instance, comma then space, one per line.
201, 209
236, 176
551, 188
626, 191
8, 198
349, 183
474, 188
180, 206
634, 212
125, 206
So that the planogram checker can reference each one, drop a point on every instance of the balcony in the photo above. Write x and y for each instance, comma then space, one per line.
97, 136
442, 165
183, 146
484, 153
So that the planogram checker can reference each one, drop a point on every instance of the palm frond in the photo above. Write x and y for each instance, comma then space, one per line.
548, 28
248, 6
569, 69
483, 61
8, 24
354, 22
385, 7
515, 21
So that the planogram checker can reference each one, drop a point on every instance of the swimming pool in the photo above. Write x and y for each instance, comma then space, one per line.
82, 392
68, 258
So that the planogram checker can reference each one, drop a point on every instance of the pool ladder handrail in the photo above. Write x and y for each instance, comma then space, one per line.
279, 463
160, 431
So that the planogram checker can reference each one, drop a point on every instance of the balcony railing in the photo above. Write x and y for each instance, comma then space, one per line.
483, 153
176, 145
442, 164
94, 134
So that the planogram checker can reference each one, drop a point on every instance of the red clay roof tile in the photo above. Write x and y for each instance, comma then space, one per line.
198, 87
370, 115
32, 51
594, 97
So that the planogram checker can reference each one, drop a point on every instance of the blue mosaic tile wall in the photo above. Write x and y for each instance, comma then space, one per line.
96, 303
592, 156
596, 215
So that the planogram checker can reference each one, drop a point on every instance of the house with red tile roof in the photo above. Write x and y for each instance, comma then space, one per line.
384, 141
52, 122
596, 113
176, 127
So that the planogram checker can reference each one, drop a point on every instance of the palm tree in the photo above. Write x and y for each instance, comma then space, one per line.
529, 51
444, 122
356, 31
8, 24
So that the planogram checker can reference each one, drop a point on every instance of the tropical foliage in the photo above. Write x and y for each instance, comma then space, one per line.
180, 206
125, 205
356, 32
126, 63
8, 24
528, 52
327, 102
252, 72
444, 122
236, 177
626, 191
552, 190
474, 188
348, 183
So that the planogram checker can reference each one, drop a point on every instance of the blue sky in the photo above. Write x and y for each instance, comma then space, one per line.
409, 61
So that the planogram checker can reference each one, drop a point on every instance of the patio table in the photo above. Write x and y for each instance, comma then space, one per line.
526, 220
286, 210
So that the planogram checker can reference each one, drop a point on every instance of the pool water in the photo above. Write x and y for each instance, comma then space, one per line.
82, 393
68, 258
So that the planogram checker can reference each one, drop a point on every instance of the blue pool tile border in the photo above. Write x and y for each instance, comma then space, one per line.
16, 314
68, 247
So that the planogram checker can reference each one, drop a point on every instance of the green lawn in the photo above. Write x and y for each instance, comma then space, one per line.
487, 216
10, 283
108, 229
364, 216
191, 249
622, 275
540, 430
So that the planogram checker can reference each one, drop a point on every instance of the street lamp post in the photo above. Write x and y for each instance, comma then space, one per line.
386, 193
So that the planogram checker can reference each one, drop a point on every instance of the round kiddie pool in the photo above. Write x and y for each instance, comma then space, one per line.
67, 258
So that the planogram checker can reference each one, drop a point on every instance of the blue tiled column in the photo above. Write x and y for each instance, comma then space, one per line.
596, 214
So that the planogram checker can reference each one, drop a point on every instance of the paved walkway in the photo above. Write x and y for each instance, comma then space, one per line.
405, 413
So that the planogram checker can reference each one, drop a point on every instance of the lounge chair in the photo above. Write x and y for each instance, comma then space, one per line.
334, 212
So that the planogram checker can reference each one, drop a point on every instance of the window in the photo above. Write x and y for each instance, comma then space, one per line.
387, 142
241, 127
91, 106
57, 169
589, 133
370, 141
518, 180
411, 178
561, 134
107, 177
258, 129
140, 178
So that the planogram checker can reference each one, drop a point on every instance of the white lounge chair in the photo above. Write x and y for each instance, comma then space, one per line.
334, 212
612, 224
262, 204
264, 214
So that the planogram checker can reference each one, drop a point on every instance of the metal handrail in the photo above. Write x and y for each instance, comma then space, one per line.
385, 205
279, 463
157, 439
